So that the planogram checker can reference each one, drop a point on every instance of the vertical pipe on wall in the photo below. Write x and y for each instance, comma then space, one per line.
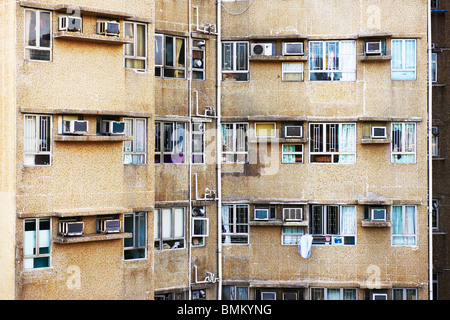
188, 147
430, 156
219, 149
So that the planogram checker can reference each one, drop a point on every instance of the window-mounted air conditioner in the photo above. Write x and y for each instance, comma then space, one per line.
378, 133
373, 47
75, 126
379, 296
113, 127
378, 214
293, 214
293, 131
261, 214
71, 228
109, 226
109, 28
68, 23
292, 48
261, 49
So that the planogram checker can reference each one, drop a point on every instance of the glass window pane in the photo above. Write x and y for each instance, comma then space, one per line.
30, 28
45, 29
129, 33
158, 50
166, 223
179, 223
141, 41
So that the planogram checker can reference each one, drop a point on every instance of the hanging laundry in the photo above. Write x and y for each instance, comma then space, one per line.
304, 245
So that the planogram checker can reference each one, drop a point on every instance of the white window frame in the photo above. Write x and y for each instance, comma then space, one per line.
291, 238
233, 292
403, 143
268, 294
325, 292
133, 145
232, 150
38, 148
404, 222
201, 133
319, 148
164, 239
137, 241
434, 66
333, 70
227, 236
164, 65
435, 143
135, 56
36, 241
37, 35
285, 72
202, 50
177, 149
403, 62
265, 123
232, 69
289, 153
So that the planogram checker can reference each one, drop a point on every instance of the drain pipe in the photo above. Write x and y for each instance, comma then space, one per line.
430, 157
188, 147
219, 149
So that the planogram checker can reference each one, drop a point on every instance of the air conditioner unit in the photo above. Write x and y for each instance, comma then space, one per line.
293, 214
109, 28
378, 132
293, 131
292, 48
373, 47
75, 126
378, 214
68, 23
261, 214
109, 226
113, 127
261, 49
71, 228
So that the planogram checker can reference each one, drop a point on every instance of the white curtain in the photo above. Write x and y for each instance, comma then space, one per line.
347, 143
226, 223
347, 59
348, 220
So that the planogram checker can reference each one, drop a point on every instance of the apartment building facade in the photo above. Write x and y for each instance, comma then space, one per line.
440, 79
271, 150
77, 173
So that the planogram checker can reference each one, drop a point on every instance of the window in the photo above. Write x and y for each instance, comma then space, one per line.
198, 142
332, 142
403, 62
170, 142
333, 224
235, 57
36, 243
265, 129
136, 52
169, 228
292, 153
135, 247
291, 235
333, 294
235, 224
265, 212
435, 214
234, 293
292, 71
170, 56
434, 4
135, 151
433, 67
435, 142
404, 225
38, 31
235, 142
403, 145
404, 294
198, 59
37, 140
332, 61
200, 226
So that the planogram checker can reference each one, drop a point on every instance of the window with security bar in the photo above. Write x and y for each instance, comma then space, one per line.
403, 145
332, 142
37, 140
235, 142
235, 227
135, 151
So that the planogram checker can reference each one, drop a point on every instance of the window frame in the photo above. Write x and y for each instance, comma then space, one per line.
37, 242
322, 145
39, 141
159, 229
233, 152
38, 46
160, 146
134, 142
404, 226
291, 238
292, 153
235, 224
135, 56
333, 71
273, 130
286, 72
136, 237
164, 66
233, 292
325, 295
403, 61
202, 133
233, 69
196, 70
403, 143
404, 293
